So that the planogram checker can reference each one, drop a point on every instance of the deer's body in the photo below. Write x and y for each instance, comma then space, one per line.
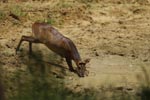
63, 46
55, 41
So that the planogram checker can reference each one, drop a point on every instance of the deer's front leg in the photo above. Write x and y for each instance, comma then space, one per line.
30, 47
70, 64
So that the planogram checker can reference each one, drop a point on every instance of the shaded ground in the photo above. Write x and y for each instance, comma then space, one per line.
115, 35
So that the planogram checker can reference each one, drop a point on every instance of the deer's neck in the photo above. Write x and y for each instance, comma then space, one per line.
76, 57
74, 52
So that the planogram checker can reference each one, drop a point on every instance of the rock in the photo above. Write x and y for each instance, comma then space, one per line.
129, 89
77, 86
60, 76
70, 78
96, 54
145, 60
121, 54
120, 22
119, 88
14, 39
8, 46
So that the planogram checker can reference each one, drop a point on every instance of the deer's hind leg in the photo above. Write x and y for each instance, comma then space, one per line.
29, 39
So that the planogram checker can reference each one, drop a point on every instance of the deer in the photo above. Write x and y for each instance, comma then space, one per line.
46, 34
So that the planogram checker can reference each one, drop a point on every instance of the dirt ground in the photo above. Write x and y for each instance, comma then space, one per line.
115, 35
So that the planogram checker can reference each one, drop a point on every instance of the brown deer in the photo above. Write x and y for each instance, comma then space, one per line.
55, 41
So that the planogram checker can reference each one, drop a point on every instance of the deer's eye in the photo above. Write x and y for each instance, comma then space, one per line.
81, 63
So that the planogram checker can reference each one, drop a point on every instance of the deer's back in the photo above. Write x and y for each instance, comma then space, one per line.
45, 33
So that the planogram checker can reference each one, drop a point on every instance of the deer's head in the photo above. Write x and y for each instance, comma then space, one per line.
81, 69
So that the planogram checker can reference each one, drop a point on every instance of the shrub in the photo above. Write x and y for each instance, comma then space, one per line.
16, 10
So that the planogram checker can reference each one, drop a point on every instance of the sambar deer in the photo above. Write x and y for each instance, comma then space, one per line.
55, 41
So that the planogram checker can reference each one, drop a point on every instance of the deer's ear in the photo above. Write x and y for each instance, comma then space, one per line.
87, 60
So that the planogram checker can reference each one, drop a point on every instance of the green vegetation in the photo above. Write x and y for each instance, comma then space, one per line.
2, 15
37, 84
63, 4
145, 84
88, 1
17, 11
50, 21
